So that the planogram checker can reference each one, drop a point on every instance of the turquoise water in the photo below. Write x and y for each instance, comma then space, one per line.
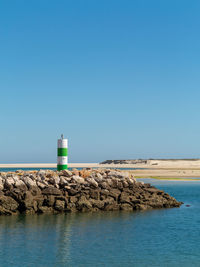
167, 237
24, 169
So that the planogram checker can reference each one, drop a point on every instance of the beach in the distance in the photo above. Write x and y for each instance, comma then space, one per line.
152, 168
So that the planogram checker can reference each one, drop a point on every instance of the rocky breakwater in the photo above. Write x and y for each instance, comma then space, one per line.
47, 191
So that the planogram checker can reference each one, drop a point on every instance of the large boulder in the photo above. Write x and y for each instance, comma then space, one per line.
84, 204
60, 205
20, 184
29, 182
9, 183
65, 173
78, 179
51, 191
92, 182
8, 205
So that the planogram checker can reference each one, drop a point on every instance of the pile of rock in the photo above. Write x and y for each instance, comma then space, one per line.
48, 191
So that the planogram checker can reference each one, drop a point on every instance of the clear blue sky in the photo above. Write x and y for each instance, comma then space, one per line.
120, 79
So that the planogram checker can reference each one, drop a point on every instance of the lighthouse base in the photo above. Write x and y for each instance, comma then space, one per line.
62, 167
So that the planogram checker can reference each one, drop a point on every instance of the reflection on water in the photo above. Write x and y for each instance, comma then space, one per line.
167, 237
49, 240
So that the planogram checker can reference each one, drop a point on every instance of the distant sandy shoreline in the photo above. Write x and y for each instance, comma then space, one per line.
150, 164
179, 170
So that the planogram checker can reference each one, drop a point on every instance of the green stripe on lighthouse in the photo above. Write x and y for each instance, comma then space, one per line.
61, 167
62, 152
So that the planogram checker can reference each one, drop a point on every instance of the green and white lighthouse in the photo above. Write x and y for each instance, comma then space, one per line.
62, 159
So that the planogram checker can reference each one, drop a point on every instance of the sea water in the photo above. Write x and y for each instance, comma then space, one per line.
166, 237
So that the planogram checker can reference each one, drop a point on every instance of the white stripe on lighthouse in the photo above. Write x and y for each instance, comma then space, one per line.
62, 160
62, 143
